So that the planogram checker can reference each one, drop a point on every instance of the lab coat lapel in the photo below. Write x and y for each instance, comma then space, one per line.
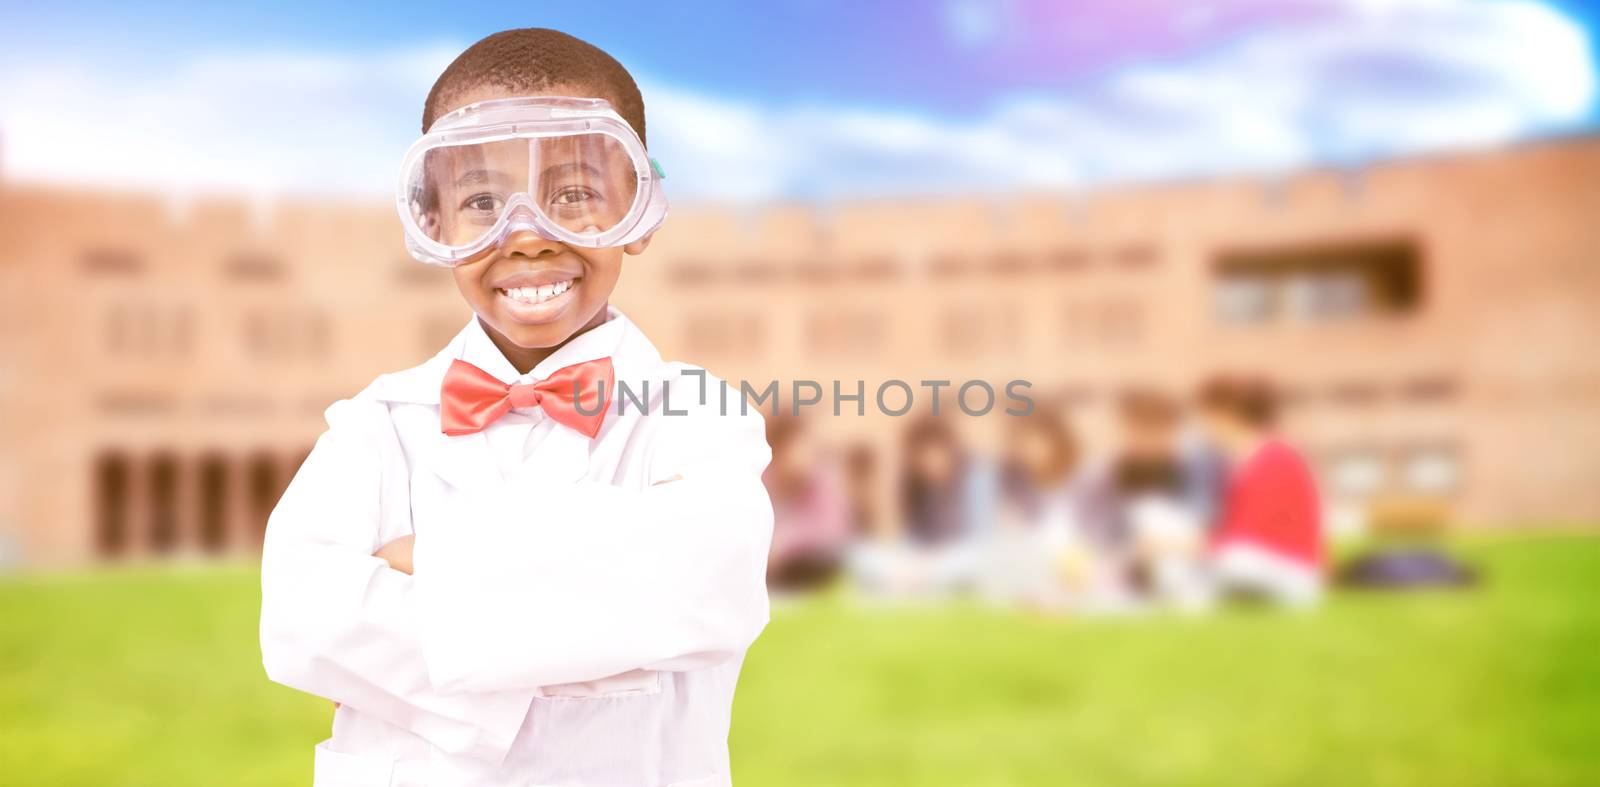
465, 461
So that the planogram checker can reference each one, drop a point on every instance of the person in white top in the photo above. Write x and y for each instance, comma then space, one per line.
537, 558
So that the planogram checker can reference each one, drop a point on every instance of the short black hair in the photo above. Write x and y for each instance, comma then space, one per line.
532, 59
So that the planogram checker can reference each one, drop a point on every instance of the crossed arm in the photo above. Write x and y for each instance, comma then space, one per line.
398, 553
669, 577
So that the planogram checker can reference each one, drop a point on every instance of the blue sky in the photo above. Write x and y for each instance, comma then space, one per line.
814, 99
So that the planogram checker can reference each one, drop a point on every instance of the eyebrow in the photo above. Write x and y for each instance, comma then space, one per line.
474, 176
572, 165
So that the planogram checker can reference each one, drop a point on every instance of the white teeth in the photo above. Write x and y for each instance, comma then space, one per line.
537, 294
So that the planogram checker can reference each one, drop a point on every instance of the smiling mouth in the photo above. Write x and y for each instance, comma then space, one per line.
538, 294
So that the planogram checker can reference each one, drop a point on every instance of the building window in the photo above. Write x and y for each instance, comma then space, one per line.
757, 272
1066, 260
1434, 470
112, 262
1431, 389
975, 329
724, 334
254, 267
1355, 393
1108, 322
876, 269
1242, 299
1121, 322
1009, 265
1325, 295
1135, 256
841, 332
949, 266
148, 330
1357, 473
163, 502
286, 333
817, 272
214, 502
1318, 283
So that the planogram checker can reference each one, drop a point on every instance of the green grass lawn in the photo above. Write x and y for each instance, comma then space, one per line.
153, 678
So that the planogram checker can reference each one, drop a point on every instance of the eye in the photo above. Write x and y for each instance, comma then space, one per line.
573, 196
483, 203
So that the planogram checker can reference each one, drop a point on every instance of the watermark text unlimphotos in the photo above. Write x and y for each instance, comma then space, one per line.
892, 397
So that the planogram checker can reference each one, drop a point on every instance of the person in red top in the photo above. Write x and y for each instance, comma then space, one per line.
1268, 539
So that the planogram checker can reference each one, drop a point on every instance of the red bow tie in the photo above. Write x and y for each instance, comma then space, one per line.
470, 398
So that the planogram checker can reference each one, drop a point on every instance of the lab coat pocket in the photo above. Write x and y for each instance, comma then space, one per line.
637, 682
338, 769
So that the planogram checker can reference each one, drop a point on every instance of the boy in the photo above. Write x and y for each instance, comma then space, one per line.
1268, 541
498, 566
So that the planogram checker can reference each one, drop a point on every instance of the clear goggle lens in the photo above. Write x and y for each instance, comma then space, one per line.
585, 183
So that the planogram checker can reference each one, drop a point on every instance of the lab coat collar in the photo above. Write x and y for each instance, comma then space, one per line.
632, 357
466, 461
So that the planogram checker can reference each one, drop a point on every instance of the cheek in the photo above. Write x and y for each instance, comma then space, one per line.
603, 272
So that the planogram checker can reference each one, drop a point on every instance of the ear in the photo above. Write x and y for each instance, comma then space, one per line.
638, 246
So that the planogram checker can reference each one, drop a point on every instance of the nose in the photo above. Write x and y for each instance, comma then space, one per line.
528, 245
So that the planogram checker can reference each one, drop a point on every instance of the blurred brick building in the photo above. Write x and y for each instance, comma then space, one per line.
164, 365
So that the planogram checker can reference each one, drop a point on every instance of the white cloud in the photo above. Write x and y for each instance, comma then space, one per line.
261, 122
1382, 78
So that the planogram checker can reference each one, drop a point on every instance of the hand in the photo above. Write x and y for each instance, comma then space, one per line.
398, 553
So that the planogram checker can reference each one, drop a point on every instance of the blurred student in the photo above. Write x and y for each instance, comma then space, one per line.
811, 526
939, 487
945, 496
861, 485
1039, 467
1268, 541
1033, 554
1145, 510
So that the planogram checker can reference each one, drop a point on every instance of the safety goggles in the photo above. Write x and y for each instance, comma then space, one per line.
569, 169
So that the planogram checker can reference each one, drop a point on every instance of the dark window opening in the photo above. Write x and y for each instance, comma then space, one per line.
213, 503
111, 504
265, 488
163, 491
1319, 282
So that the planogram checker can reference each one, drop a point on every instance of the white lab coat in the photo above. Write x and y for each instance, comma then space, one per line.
570, 621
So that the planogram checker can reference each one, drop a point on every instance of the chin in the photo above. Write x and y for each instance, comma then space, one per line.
537, 337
